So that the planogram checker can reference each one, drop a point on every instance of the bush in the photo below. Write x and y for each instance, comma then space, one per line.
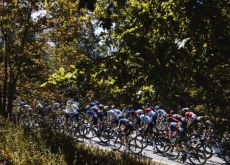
19, 148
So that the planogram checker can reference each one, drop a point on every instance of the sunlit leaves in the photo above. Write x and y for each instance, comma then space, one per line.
62, 70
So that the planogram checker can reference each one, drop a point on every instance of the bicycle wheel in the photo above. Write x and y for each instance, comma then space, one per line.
142, 139
206, 149
90, 132
135, 146
160, 144
226, 157
104, 135
171, 152
197, 157
116, 142
194, 140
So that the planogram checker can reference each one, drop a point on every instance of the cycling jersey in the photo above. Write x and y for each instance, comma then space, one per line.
152, 114
190, 115
177, 116
111, 113
91, 113
128, 126
117, 111
172, 119
161, 112
173, 126
125, 122
146, 119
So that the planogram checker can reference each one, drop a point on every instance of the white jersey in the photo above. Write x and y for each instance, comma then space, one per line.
146, 119
111, 113
161, 112
152, 114
118, 112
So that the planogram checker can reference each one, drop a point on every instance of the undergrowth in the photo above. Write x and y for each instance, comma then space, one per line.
22, 147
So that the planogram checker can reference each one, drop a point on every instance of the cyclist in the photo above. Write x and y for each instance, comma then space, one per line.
68, 111
126, 126
114, 115
161, 113
174, 127
92, 112
148, 123
101, 111
177, 116
40, 109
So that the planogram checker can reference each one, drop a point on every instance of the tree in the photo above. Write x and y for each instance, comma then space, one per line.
28, 44
183, 45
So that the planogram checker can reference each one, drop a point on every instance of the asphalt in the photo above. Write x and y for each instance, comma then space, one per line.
152, 154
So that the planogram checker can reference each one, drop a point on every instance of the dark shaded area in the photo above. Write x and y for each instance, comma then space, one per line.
77, 153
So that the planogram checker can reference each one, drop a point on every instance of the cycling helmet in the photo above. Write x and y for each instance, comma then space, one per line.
199, 118
132, 112
110, 112
139, 111
180, 129
147, 110
101, 106
157, 107
172, 112
185, 109
147, 105
106, 107
95, 107
94, 102
123, 120
70, 101
112, 106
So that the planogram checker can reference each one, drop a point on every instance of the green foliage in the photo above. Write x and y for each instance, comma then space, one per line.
169, 52
178, 46
22, 149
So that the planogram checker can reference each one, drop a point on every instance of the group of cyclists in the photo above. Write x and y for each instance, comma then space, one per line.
148, 119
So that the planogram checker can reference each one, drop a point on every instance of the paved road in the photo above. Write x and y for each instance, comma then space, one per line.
148, 152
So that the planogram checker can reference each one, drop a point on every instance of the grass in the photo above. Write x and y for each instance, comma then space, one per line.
21, 147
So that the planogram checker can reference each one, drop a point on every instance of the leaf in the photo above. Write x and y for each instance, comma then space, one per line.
135, 65
205, 45
68, 75
110, 81
52, 82
72, 67
100, 82
43, 85
82, 72
62, 70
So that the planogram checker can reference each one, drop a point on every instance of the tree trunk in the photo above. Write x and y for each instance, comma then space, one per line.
12, 91
1, 106
5, 85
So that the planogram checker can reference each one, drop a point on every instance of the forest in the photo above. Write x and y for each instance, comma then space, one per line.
120, 52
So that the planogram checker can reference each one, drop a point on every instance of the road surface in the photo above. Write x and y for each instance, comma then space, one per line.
157, 157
